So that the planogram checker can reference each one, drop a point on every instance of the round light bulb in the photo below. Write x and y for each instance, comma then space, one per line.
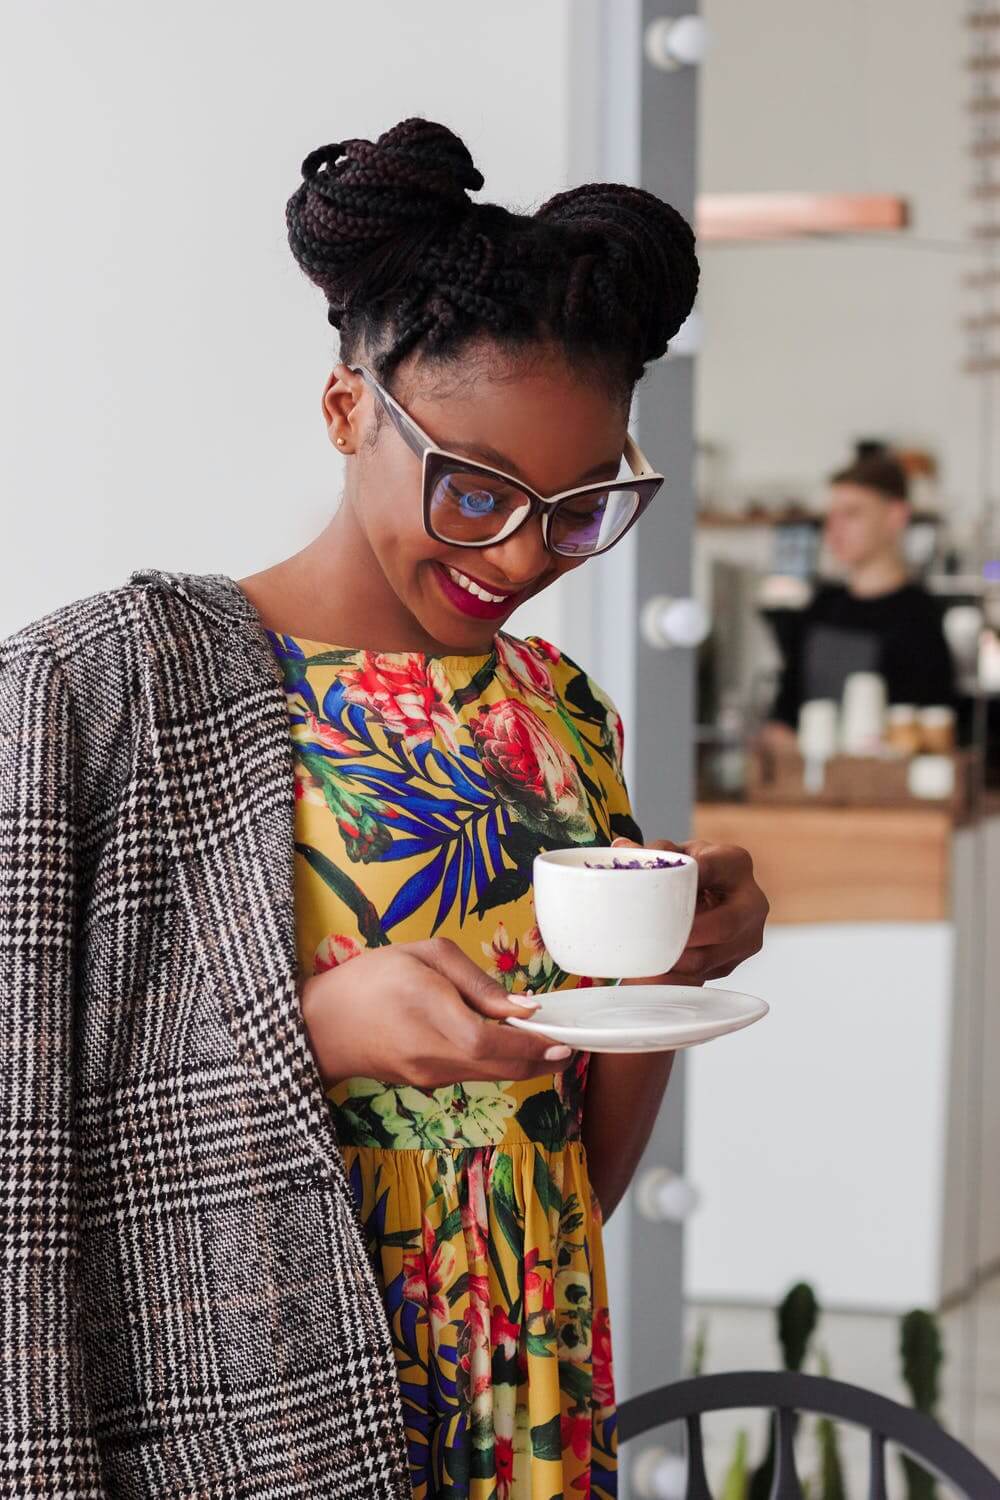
677, 42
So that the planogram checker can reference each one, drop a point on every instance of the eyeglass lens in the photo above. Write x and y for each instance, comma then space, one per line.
469, 508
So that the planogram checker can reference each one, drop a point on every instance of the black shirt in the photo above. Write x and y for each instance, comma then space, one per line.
898, 635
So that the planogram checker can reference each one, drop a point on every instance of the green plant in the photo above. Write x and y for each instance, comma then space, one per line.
831, 1470
923, 1356
699, 1348
797, 1319
736, 1484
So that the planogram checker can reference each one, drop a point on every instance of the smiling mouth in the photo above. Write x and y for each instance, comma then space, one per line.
478, 590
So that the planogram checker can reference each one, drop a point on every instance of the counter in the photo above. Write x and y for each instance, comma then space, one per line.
841, 864
852, 1138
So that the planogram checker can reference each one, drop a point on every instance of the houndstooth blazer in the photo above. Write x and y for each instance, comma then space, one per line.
188, 1309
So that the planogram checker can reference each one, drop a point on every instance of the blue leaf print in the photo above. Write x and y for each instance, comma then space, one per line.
334, 700
466, 875
407, 848
458, 778
418, 889
493, 843
482, 874
356, 718
449, 887
419, 828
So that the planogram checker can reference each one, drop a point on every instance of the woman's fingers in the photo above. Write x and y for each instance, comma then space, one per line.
491, 1051
477, 989
726, 922
466, 1008
732, 910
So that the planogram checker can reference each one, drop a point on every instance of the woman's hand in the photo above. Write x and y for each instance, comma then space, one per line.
729, 921
420, 1013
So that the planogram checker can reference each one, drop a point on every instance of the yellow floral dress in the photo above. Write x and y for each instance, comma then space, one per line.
425, 787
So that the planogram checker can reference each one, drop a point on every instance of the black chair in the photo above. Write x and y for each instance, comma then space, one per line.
786, 1393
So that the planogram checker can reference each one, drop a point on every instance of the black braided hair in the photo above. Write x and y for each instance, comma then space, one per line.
407, 260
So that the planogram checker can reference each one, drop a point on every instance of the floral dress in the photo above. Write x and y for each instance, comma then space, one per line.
425, 786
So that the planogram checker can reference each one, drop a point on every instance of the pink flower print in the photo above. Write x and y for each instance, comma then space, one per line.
475, 1225
521, 666
335, 949
576, 1434
505, 957
316, 731
505, 1334
307, 788
532, 768
408, 694
427, 1275
603, 1364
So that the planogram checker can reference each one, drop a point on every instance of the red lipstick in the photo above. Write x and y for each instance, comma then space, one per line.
471, 604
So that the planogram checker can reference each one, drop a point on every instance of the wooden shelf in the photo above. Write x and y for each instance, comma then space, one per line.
725, 217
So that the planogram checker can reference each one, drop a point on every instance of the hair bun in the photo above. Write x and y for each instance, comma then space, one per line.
357, 198
641, 260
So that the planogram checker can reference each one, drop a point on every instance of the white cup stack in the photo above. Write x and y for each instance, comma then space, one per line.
862, 723
818, 725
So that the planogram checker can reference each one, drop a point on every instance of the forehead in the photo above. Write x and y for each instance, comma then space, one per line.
552, 424
854, 497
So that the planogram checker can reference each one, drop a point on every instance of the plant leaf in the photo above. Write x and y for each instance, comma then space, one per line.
542, 1119
369, 923
509, 886
546, 1440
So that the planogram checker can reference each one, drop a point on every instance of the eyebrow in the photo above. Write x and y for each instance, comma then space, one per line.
484, 454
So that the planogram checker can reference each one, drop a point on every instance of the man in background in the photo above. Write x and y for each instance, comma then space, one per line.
879, 619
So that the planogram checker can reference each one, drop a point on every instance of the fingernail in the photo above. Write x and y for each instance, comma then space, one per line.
527, 1001
556, 1054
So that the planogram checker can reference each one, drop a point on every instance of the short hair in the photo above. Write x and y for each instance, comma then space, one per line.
881, 472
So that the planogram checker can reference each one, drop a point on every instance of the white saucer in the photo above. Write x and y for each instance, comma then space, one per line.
640, 1017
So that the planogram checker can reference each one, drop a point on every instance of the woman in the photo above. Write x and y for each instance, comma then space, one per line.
288, 1213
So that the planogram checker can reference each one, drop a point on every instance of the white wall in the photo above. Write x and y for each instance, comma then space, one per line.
810, 345
163, 358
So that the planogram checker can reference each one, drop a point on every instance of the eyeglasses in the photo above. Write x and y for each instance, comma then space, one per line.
467, 504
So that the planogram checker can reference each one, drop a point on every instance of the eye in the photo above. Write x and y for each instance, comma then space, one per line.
476, 502
590, 509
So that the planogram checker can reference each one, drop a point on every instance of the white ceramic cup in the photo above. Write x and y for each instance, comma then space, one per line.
931, 776
605, 923
863, 718
818, 724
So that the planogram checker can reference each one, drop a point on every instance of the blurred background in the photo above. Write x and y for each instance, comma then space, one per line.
163, 364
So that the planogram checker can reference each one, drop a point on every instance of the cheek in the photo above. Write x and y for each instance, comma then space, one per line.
560, 566
388, 505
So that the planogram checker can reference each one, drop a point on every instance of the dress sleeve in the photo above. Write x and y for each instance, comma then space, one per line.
49, 1448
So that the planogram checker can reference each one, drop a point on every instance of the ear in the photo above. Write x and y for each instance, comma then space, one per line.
901, 513
341, 408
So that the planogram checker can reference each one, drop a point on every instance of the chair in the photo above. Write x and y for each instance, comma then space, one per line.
786, 1393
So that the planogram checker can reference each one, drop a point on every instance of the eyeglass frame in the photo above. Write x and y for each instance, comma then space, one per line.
424, 447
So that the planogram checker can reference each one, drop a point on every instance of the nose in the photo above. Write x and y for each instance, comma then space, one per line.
523, 557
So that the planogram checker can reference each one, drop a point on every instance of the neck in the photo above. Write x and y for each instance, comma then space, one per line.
335, 591
878, 575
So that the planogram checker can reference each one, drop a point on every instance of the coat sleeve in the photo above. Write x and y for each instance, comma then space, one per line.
47, 1445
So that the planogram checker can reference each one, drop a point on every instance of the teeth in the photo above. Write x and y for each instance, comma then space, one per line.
473, 588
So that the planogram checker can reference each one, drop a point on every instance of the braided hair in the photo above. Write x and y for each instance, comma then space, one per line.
407, 261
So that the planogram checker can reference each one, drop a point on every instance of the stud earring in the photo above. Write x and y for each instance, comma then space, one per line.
340, 442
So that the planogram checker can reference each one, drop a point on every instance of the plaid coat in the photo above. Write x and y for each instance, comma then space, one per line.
188, 1309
